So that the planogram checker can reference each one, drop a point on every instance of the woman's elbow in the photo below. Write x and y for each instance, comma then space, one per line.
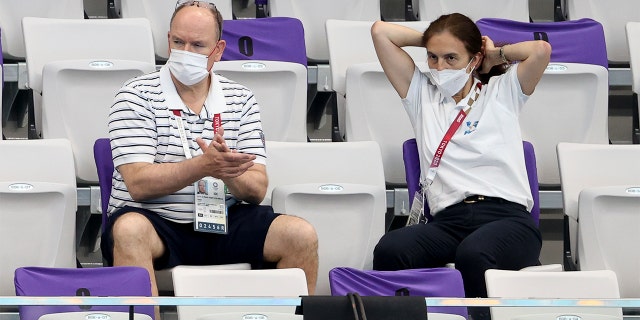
543, 50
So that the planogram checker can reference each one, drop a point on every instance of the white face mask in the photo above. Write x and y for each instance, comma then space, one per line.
450, 81
189, 68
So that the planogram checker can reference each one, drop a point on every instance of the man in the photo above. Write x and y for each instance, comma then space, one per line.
180, 125
202, 187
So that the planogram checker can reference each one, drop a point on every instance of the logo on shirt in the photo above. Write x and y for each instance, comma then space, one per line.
471, 127
264, 145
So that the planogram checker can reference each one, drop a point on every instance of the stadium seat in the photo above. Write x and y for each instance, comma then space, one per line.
574, 88
583, 169
104, 165
1, 100
12, 12
578, 41
268, 56
281, 91
411, 160
633, 40
429, 10
608, 219
74, 87
38, 211
339, 188
601, 284
194, 281
349, 43
314, 14
427, 282
270, 38
613, 15
99, 282
15, 99
374, 111
159, 15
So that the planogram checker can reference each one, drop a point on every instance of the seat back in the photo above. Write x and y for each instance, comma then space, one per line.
427, 282
1, 87
411, 160
197, 281
159, 13
313, 15
76, 101
574, 88
281, 91
12, 12
577, 41
339, 188
609, 217
576, 94
270, 38
613, 15
38, 211
518, 10
633, 41
506, 284
104, 168
585, 166
100, 282
350, 43
102, 40
371, 106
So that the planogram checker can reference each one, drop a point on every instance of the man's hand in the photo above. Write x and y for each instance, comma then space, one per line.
222, 162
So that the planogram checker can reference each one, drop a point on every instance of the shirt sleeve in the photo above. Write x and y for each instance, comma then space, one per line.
132, 128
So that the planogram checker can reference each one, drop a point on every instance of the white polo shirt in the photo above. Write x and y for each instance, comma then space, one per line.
143, 128
485, 155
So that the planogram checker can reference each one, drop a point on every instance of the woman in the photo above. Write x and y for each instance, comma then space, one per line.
478, 189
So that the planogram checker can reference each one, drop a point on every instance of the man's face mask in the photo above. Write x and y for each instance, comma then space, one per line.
188, 67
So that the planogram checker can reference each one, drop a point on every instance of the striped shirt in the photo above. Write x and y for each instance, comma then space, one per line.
143, 128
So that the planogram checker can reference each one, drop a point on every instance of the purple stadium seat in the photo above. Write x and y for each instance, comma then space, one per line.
108, 281
104, 165
412, 171
577, 41
428, 282
271, 38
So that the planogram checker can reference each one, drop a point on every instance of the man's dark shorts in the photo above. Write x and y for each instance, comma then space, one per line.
244, 243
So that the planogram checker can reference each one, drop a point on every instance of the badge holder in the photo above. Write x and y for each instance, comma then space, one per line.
211, 209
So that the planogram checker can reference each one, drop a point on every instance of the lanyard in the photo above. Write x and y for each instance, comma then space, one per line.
183, 135
435, 162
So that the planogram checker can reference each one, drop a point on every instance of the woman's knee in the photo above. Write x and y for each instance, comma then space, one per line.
388, 253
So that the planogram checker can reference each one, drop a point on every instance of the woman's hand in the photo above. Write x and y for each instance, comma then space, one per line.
491, 55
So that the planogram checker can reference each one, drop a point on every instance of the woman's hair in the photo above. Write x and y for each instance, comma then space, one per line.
463, 28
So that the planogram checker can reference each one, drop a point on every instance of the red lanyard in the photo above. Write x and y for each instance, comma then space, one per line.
437, 157
217, 122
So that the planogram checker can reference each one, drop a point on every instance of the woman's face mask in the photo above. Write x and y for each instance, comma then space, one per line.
187, 67
450, 81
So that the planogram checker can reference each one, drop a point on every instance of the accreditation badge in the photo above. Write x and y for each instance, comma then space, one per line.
210, 206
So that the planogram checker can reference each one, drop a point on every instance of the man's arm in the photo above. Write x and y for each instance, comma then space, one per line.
151, 180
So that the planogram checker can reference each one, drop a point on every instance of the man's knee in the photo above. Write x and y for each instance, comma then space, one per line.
291, 235
132, 226
303, 233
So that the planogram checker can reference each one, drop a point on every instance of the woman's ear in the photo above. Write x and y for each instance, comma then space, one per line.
479, 57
